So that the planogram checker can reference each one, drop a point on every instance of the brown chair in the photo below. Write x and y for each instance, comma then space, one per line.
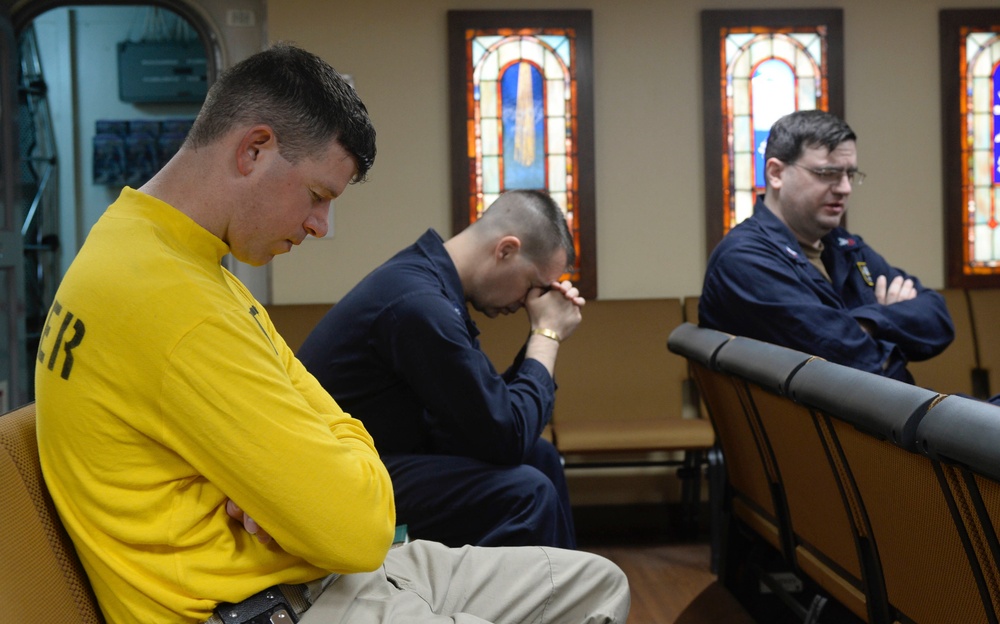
621, 399
691, 309
747, 494
815, 525
963, 435
295, 322
820, 541
955, 370
617, 381
41, 579
904, 518
984, 304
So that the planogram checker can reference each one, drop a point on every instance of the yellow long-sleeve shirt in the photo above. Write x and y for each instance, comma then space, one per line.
163, 390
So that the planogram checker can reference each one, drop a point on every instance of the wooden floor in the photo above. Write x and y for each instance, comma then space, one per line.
669, 574
664, 578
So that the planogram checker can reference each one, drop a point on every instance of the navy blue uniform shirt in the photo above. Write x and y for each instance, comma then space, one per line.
760, 284
400, 353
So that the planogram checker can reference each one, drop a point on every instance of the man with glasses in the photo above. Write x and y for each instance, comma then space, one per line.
791, 275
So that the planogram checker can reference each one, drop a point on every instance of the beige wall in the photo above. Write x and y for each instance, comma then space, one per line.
648, 116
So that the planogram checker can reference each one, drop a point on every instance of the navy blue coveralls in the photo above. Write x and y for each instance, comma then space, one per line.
462, 443
760, 284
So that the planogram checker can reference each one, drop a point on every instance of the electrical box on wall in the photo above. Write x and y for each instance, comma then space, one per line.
162, 71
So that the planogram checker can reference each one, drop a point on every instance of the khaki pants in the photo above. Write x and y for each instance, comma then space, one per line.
428, 582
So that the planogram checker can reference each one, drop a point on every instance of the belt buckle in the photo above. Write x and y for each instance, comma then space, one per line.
268, 606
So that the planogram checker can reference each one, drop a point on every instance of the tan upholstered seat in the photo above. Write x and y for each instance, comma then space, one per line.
645, 435
41, 580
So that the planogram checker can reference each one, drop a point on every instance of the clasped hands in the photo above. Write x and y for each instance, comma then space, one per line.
556, 308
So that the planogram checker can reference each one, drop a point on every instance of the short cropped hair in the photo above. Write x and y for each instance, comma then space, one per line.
796, 131
301, 97
536, 219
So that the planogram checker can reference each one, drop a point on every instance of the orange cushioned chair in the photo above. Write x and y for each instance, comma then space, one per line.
41, 579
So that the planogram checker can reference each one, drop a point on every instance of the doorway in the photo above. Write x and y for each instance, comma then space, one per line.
96, 111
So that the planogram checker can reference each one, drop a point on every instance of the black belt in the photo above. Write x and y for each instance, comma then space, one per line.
281, 604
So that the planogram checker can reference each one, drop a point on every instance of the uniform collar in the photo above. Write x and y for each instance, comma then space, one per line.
431, 245
837, 240
778, 232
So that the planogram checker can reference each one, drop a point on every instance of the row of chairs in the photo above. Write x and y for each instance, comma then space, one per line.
883, 494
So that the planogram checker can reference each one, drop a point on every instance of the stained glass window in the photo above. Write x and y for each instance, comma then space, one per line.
760, 65
981, 179
521, 117
970, 80
768, 75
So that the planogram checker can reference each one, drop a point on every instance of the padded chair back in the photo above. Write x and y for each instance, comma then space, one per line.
964, 436
881, 406
820, 535
502, 337
952, 371
623, 340
964, 431
697, 343
746, 464
904, 515
691, 309
983, 306
295, 322
767, 365
41, 580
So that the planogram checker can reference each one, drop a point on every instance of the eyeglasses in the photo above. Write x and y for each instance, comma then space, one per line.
833, 175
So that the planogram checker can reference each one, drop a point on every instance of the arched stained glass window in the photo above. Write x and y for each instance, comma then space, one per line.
760, 65
971, 78
525, 117
522, 118
982, 149
768, 75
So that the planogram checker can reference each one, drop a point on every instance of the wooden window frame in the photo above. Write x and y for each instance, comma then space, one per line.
951, 22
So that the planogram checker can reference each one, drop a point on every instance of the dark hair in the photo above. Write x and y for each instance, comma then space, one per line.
536, 219
796, 131
304, 100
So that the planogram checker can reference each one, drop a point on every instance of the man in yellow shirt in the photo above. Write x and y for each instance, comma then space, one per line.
170, 410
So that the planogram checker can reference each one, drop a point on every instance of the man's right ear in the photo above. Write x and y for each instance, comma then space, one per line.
773, 169
507, 246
